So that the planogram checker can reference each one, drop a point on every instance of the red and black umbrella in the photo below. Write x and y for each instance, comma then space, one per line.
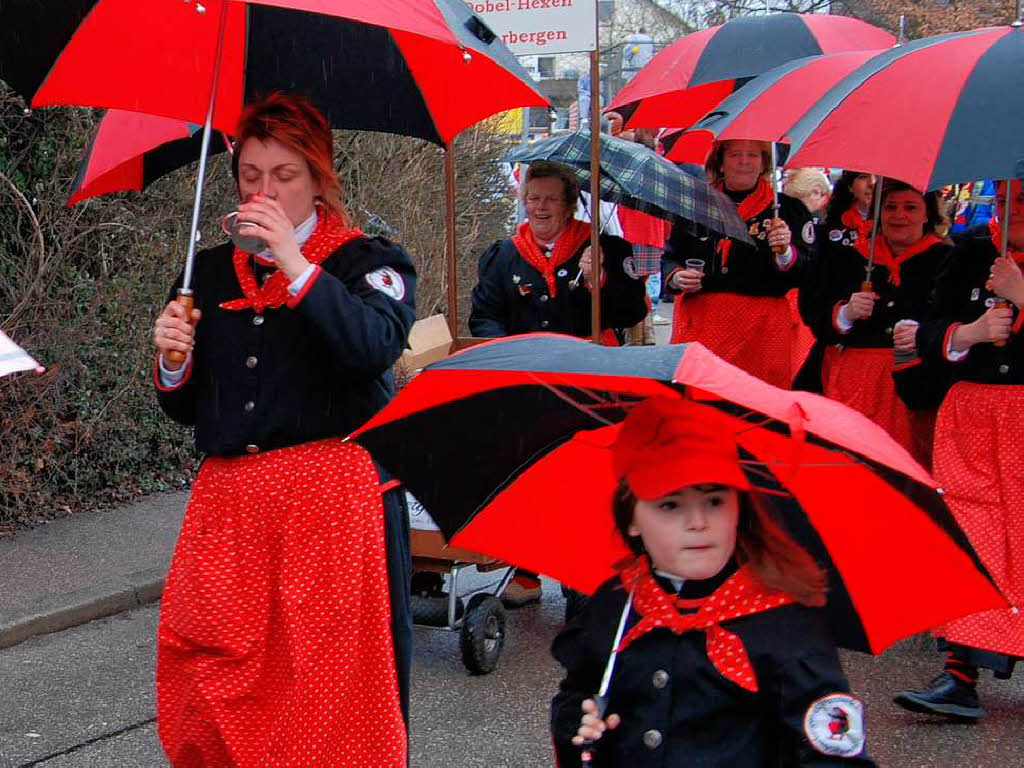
765, 107
130, 150
427, 69
935, 111
386, 65
506, 445
687, 79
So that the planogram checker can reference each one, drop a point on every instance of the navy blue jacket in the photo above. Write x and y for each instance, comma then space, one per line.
678, 710
750, 270
288, 376
960, 297
512, 297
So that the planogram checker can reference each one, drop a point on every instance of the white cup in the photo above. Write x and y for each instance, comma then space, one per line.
697, 265
230, 224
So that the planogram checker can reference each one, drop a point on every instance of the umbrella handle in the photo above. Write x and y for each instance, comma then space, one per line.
778, 250
867, 287
187, 300
587, 756
1000, 304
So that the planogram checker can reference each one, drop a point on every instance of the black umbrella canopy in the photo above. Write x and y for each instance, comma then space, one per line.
363, 76
955, 97
507, 445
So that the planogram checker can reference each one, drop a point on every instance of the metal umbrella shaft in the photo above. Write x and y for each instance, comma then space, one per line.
601, 699
775, 187
867, 285
185, 293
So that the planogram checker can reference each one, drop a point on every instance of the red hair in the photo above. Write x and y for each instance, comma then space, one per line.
298, 125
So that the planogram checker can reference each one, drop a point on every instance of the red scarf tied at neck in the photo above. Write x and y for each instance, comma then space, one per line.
749, 207
571, 240
741, 595
886, 258
330, 234
851, 219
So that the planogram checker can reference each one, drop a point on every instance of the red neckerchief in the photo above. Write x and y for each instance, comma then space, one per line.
851, 219
996, 230
741, 595
330, 234
572, 237
750, 206
885, 257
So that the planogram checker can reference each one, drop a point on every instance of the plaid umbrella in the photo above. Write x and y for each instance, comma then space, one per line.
640, 179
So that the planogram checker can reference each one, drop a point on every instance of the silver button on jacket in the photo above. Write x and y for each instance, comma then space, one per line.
652, 739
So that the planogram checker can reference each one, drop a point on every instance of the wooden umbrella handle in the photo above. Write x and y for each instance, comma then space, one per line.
867, 287
1000, 304
187, 300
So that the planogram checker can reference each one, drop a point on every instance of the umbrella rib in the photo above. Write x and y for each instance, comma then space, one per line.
601, 402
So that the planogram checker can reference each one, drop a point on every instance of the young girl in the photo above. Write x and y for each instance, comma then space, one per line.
739, 670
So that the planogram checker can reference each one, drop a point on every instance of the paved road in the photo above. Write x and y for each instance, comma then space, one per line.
83, 698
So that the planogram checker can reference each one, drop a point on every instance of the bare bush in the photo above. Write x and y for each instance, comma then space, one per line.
80, 287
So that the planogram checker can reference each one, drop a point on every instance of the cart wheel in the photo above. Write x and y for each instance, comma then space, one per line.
483, 634
427, 584
574, 602
433, 611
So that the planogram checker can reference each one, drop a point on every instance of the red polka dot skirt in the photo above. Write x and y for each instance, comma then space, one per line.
803, 338
755, 333
274, 647
862, 379
979, 461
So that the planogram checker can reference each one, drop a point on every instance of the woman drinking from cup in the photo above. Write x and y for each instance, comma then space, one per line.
285, 633
865, 320
734, 303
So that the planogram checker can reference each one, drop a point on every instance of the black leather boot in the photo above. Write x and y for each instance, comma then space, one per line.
945, 695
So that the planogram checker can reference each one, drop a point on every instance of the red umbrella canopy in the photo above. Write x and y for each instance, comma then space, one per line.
507, 444
426, 69
130, 150
935, 111
696, 72
765, 107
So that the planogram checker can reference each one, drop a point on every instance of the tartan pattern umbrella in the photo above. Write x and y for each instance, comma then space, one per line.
640, 179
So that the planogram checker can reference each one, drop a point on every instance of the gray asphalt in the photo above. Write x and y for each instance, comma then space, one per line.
82, 695
83, 698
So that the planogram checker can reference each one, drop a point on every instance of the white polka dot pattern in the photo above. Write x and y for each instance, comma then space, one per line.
979, 445
862, 379
741, 595
274, 647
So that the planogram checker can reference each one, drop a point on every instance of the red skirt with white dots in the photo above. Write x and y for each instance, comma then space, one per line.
755, 333
862, 379
979, 461
274, 647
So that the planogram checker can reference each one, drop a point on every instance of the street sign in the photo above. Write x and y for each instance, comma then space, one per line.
532, 27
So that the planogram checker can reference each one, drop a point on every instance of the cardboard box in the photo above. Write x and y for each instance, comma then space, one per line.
429, 341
